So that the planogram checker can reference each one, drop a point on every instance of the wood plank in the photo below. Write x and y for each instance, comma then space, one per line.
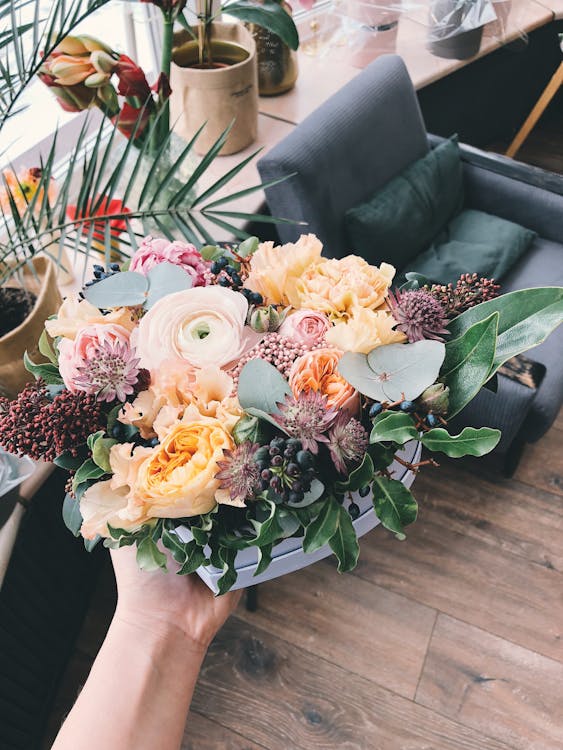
283, 697
470, 579
202, 734
498, 511
329, 612
482, 681
541, 465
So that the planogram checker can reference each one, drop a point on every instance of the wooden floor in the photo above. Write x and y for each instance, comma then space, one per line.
451, 640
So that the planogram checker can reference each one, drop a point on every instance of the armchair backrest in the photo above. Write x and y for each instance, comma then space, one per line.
352, 145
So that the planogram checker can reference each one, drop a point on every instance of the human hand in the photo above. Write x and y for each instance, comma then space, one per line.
161, 601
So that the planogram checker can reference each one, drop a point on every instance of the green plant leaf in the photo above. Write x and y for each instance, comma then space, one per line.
261, 386
470, 441
125, 289
149, 557
212, 252
248, 247
394, 505
71, 515
270, 15
468, 362
164, 279
88, 470
394, 371
67, 461
249, 429
324, 526
175, 545
48, 372
100, 453
264, 559
195, 558
526, 318
360, 477
47, 350
229, 577
393, 426
344, 542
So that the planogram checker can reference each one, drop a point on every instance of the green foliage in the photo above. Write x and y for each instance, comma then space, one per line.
470, 441
124, 289
261, 386
269, 14
468, 362
393, 426
71, 514
47, 350
229, 577
323, 527
250, 429
344, 542
149, 557
49, 372
394, 371
394, 505
360, 477
526, 318
100, 447
88, 470
195, 558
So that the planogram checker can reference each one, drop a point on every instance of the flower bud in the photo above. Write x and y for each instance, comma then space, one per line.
96, 80
436, 399
265, 319
103, 62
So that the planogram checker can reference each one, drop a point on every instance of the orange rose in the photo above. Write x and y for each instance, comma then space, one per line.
318, 371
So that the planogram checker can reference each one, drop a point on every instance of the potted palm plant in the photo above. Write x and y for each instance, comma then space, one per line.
214, 75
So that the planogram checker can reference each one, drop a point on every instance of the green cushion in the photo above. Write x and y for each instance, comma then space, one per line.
402, 219
474, 242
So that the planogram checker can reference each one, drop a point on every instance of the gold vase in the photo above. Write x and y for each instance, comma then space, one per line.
277, 63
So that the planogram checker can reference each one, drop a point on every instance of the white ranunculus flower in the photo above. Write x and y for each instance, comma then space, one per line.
201, 327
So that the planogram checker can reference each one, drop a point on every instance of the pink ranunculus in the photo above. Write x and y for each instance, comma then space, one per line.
305, 327
100, 361
153, 251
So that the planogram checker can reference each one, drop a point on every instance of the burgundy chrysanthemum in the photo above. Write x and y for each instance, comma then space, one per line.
418, 314
306, 418
347, 441
240, 474
41, 428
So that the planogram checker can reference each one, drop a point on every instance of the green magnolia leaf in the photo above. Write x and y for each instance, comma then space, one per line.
324, 526
269, 14
394, 371
470, 441
195, 558
174, 544
344, 542
125, 289
360, 477
165, 279
71, 515
393, 426
149, 557
48, 372
261, 386
249, 429
526, 318
394, 505
468, 362
88, 470
264, 558
47, 350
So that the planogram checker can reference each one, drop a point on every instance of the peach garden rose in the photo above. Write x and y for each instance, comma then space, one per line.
318, 371
305, 327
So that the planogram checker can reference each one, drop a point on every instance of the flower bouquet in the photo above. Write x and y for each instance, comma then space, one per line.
254, 406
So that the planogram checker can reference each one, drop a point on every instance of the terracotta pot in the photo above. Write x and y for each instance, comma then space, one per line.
13, 375
216, 96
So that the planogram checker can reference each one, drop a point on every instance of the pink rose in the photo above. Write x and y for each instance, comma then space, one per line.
152, 252
100, 361
305, 327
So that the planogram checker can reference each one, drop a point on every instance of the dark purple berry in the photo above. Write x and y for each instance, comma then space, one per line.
354, 511
293, 470
407, 406
230, 270
256, 298
277, 442
224, 281
432, 420
295, 497
216, 267
237, 281
266, 474
305, 459
375, 409
276, 460
364, 491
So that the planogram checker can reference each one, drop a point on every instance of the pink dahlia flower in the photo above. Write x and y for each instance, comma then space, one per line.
153, 251
99, 361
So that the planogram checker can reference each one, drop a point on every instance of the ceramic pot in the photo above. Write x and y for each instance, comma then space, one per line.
445, 17
216, 95
277, 63
288, 555
13, 375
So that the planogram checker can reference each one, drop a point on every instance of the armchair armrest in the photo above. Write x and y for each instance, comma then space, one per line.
512, 190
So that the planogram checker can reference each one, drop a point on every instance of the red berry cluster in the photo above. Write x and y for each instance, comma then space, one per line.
41, 428
470, 290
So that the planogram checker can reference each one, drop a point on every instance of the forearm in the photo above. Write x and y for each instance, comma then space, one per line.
138, 692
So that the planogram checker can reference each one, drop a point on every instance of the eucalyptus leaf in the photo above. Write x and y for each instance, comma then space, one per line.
393, 426
344, 542
149, 557
165, 279
125, 289
90, 544
526, 318
394, 505
211, 252
470, 441
468, 362
71, 514
262, 386
394, 371
324, 526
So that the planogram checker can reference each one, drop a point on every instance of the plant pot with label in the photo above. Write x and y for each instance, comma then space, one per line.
456, 27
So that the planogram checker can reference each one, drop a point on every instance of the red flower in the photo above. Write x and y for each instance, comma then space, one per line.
126, 121
132, 80
106, 208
